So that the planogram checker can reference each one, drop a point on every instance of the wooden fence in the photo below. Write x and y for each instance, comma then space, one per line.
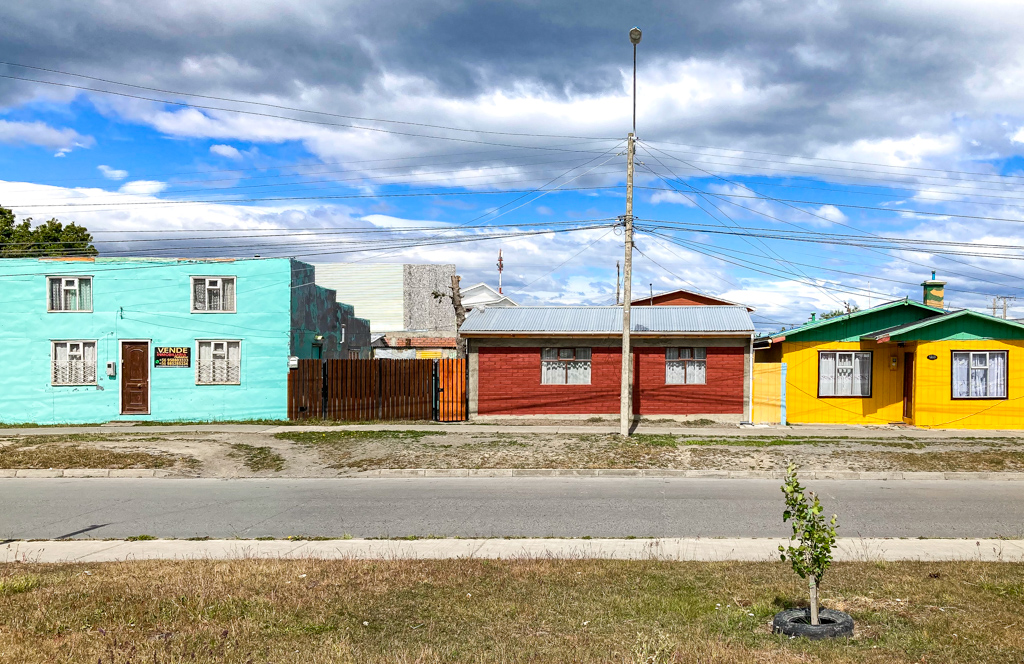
359, 390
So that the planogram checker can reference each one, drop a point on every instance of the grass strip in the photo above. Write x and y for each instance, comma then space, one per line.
507, 611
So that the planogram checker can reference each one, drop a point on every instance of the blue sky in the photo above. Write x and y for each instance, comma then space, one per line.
832, 107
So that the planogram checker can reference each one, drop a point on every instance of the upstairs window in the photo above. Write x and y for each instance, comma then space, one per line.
73, 363
686, 366
844, 374
69, 294
219, 363
213, 294
565, 366
979, 375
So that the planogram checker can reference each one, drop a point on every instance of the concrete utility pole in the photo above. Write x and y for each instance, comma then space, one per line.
626, 395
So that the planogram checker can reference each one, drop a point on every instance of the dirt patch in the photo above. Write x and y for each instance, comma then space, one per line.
45, 452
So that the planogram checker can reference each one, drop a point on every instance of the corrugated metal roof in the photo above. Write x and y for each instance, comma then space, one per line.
608, 320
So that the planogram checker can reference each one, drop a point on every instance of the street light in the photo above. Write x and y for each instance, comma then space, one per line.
635, 35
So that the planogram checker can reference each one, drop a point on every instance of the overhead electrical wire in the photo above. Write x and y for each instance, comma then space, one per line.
299, 110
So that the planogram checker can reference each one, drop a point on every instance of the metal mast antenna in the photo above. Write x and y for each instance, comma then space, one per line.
626, 394
501, 268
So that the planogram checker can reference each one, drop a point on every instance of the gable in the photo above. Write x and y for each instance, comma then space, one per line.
852, 327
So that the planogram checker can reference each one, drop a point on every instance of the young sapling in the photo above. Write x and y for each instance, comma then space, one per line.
814, 534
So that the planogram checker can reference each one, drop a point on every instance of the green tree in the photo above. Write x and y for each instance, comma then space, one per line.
52, 238
840, 312
816, 535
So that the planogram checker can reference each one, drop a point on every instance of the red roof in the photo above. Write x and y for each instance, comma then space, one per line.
682, 297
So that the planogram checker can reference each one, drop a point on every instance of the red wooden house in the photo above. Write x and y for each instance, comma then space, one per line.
690, 362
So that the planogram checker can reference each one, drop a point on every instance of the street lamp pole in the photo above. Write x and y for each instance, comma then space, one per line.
626, 394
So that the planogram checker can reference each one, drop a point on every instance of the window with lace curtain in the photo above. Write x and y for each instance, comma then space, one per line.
979, 374
565, 366
69, 294
219, 362
213, 294
844, 374
686, 366
73, 363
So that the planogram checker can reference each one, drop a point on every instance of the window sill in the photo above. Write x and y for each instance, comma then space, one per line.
979, 398
69, 311
205, 311
74, 384
838, 396
203, 384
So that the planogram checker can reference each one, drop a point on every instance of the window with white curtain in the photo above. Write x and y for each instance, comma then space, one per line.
73, 363
686, 366
219, 362
979, 374
69, 294
213, 294
844, 374
565, 366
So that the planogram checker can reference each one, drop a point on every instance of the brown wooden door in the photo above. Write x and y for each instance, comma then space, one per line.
908, 385
134, 377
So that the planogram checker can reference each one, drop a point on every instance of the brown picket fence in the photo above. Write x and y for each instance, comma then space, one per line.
366, 390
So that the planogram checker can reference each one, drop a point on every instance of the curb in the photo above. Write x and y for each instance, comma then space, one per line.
689, 474
84, 472
397, 473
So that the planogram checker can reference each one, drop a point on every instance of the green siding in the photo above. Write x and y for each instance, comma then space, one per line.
963, 328
854, 326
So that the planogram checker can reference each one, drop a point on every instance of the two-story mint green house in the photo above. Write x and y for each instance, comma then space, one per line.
100, 339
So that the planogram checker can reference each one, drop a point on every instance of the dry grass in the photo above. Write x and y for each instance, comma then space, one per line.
257, 458
68, 452
498, 611
369, 450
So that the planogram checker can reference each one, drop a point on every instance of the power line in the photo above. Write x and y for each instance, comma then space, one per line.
271, 115
300, 110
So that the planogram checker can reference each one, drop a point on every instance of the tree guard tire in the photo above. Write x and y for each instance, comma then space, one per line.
797, 622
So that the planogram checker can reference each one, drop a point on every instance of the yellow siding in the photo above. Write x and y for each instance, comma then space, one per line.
767, 401
884, 406
934, 406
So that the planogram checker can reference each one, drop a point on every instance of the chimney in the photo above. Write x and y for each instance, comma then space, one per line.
934, 292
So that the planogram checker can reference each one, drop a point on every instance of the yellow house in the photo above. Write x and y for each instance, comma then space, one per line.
903, 362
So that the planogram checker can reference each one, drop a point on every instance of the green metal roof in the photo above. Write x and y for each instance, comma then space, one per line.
958, 325
853, 326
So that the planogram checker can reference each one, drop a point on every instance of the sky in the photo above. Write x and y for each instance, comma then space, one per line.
887, 136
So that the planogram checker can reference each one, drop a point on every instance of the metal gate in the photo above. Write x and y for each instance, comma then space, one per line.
384, 389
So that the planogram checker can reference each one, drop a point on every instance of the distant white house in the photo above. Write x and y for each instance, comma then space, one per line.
485, 296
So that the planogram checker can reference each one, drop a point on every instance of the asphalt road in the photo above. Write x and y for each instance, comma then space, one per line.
494, 507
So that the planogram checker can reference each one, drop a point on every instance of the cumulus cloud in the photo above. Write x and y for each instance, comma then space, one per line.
112, 173
143, 187
226, 151
43, 135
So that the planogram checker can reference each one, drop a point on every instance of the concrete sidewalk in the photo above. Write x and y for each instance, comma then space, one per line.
676, 549
731, 430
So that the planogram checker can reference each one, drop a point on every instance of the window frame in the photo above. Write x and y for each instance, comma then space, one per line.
952, 370
207, 277
96, 360
77, 278
871, 379
566, 364
685, 360
211, 342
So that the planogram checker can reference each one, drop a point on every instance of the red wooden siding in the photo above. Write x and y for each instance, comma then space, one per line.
721, 394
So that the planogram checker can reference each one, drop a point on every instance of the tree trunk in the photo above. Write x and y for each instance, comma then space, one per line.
460, 314
812, 582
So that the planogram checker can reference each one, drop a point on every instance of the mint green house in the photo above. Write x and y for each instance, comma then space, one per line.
102, 339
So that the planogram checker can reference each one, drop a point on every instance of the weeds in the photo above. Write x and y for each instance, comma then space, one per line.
256, 458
